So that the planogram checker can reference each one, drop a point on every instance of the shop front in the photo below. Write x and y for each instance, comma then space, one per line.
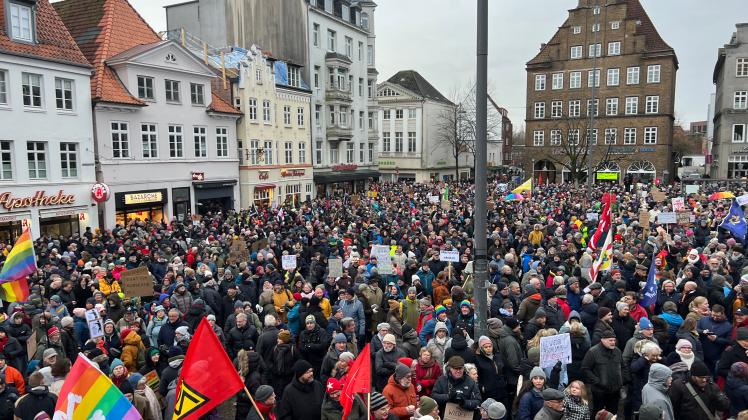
50, 212
214, 196
141, 205
263, 195
344, 179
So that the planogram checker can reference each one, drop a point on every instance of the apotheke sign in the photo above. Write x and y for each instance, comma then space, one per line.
39, 199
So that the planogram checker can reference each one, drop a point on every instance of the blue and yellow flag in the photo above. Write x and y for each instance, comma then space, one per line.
734, 222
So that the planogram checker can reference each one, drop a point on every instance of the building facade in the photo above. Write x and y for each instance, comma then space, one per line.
166, 144
410, 144
343, 82
730, 148
275, 140
46, 145
611, 51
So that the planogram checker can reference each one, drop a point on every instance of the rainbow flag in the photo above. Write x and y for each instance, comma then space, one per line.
15, 291
89, 394
721, 195
21, 261
514, 197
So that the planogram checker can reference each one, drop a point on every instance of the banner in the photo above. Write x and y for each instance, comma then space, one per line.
449, 256
288, 262
555, 348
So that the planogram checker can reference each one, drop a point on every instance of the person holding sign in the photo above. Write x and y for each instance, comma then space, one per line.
456, 387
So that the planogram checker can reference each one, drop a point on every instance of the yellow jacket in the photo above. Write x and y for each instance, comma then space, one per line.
108, 288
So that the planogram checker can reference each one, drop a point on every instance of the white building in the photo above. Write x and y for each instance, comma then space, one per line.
46, 139
343, 81
166, 142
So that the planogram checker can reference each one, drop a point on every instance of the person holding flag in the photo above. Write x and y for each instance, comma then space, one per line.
20, 263
734, 222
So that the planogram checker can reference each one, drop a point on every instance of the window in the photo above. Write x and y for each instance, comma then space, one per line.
411, 141
595, 27
653, 73
300, 116
197, 95
172, 90
538, 138
318, 153
398, 142
370, 89
386, 142
266, 111
120, 140
149, 140
590, 109
69, 159
361, 125
370, 55
629, 136
36, 153
738, 134
575, 108
318, 115
286, 115
576, 30
365, 20
632, 76
348, 47
315, 34
592, 137
360, 51
575, 80
201, 141
611, 135
343, 117
650, 135
253, 154
398, 114
611, 106
176, 141
632, 105
3, 87
360, 86
596, 10
574, 137
331, 40
371, 152
616, 24
556, 137
293, 76
539, 109
557, 109
386, 114
593, 76
539, 82
20, 22
741, 99
411, 113
557, 81
334, 155
64, 94
595, 50
258, 74
332, 115
362, 152
614, 48
268, 152
6, 160
613, 77
576, 52
288, 152
741, 67
32, 90
350, 152
316, 76
253, 109
222, 142
652, 105
302, 152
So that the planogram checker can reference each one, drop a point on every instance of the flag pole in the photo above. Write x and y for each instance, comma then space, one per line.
253, 403
368, 407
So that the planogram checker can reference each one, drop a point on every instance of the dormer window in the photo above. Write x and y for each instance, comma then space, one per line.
21, 22
365, 20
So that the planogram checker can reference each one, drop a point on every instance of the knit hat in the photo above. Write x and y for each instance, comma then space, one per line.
511, 323
310, 319
377, 401
425, 301
389, 338
66, 321
683, 343
440, 326
447, 302
401, 371
284, 336
210, 317
484, 340
49, 352
650, 412
540, 313
426, 406
333, 384
742, 334
116, 362
123, 334
439, 309
407, 361
493, 323
595, 285
174, 354
238, 304
537, 372
134, 379
465, 303
698, 368
645, 324
739, 370
301, 367
669, 306
126, 387
53, 330
412, 290
263, 392
495, 410
382, 326
604, 415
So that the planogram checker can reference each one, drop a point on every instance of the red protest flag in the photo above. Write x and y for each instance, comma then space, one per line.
208, 377
357, 380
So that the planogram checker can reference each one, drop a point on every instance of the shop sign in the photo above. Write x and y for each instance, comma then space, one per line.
39, 199
344, 167
646, 149
622, 150
386, 163
15, 217
100, 192
292, 172
264, 175
198, 176
144, 197
607, 176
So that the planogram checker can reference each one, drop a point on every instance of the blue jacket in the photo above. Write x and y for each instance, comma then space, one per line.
529, 405
428, 329
355, 309
674, 321
426, 278
293, 320
574, 300
713, 349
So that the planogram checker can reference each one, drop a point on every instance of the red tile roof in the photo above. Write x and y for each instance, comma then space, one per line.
220, 105
53, 42
103, 29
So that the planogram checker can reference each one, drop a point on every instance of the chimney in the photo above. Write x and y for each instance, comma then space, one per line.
542, 45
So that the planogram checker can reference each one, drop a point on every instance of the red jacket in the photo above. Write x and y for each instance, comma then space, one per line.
638, 312
426, 377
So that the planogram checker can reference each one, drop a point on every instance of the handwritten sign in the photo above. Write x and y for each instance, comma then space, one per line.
446, 205
433, 199
288, 262
657, 195
644, 219
95, 323
555, 348
684, 218
453, 411
449, 256
261, 244
384, 261
137, 282
667, 218
238, 251
335, 265
679, 203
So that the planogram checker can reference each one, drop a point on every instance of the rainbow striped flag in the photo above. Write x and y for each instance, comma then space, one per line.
15, 291
89, 394
21, 261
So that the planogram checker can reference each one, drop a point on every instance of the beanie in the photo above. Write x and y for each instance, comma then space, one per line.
427, 406
116, 362
484, 340
66, 321
263, 392
378, 401
439, 310
389, 338
698, 368
340, 338
126, 387
301, 367
401, 371
537, 372
645, 324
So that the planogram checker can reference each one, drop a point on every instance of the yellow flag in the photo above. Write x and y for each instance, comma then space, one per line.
526, 186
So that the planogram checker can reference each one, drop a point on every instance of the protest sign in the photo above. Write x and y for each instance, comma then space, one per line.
679, 203
288, 262
433, 199
449, 256
657, 195
692, 189
644, 219
152, 380
335, 266
384, 261
238, 251
742, 200
446, 205
355, 200
555, 348
453, 411
683, 218
667, 218
591, 216
95, 323
137, 282
31, 345
258, 245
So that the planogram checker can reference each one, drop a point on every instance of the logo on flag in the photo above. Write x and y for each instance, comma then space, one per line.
188, 401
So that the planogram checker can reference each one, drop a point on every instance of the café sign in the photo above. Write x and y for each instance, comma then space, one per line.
292, 172
39, 199
144, 197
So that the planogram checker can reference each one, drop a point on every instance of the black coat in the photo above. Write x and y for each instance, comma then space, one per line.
602, 369
685, 406
492, 376
579, 349
301, 401
266, 343
168, 331
463, 392
313, 345
241, 338
624, 329
735, 353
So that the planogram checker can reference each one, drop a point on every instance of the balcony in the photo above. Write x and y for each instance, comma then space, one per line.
335, 95
336, 134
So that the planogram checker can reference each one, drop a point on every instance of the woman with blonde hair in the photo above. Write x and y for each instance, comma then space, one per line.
576, 401
535, 341
699, 306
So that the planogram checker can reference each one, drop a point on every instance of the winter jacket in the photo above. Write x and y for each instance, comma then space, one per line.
313, 345
602, 368
426, 377
427, 331
735, 353
354, 309
685, 406
628, 353
400, 398
463, 392
301, 401
384, 366
655, 392
37, 400
154, 326
167, 332
575, 408
280, 369
546, 413
331, 409
713, 349
241, 338
8, 399
492, 375
737, 392
266, 343
510, 348
600, 328
624, 329
409, 311
133, 351
529, 404
528, 307
579, 348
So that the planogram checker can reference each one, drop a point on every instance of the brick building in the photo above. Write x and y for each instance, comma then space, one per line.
634, 89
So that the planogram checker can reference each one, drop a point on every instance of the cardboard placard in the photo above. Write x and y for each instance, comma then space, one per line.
644, 219
679, 203
384, 260
555, 348
95, 323
658, 195
453, 411
683, 218
137, 282
238, 251
449, 256
288, 262
355, 200
667, 218
335, 266
31, 345
258, 245
446, 205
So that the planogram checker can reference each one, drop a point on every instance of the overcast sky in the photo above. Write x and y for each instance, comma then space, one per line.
437, 38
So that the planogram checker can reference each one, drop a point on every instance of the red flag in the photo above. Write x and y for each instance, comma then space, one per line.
208, 377
605, 222
357, 380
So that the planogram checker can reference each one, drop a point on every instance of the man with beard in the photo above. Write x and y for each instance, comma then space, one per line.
686, 394
385, 361
331, 408
302, 398
602, 368
400, 393
456, 387
167, 332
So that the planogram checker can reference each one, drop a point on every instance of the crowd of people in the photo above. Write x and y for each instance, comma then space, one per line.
294, 334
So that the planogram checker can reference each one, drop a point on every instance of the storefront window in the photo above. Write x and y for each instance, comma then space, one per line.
181, 199
155, 214
10, 231
263, 197
62, 225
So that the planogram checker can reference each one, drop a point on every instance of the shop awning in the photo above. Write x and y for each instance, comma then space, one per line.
214, 184
264, 186
330, 177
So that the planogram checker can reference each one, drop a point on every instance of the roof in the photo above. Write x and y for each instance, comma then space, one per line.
414, 82
53, 41
102, 29
217, 104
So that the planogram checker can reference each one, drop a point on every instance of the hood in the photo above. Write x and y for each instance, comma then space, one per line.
506, 332
459, 342
175, 364
574, 314
658, 374
132, 339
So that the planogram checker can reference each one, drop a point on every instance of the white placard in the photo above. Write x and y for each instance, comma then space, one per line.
449, 256
554, 348
433, 199
667, 218
742, 200
335, 266
591, 216
384, 260
288, 262
692, 189
95, 323
679, 203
